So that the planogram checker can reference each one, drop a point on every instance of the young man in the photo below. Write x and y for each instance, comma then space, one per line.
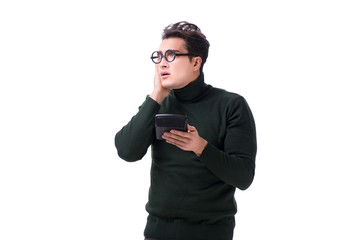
194, 174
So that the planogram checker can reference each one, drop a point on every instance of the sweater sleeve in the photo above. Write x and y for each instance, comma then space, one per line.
133, 140
235, 165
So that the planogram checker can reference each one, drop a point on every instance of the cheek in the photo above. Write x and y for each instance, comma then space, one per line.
181, 71
181, 76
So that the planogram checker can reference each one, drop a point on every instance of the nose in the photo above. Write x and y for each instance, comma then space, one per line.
163, 63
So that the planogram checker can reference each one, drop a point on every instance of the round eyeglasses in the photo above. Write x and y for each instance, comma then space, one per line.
169, 55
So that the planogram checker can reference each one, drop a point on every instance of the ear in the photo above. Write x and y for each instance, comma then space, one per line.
197, 63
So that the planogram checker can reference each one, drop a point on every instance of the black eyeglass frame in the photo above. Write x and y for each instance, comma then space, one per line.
164, 55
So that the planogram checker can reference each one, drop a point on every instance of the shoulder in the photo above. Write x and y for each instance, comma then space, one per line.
233, 105
226, 96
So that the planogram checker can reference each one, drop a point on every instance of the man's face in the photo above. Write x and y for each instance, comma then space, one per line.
180, 72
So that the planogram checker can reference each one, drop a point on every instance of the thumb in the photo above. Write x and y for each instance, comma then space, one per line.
191, 128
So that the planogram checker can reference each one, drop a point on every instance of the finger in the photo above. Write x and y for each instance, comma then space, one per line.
179, 133
174, 137
176, 143
191, 128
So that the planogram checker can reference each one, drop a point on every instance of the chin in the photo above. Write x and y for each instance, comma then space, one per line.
168, 85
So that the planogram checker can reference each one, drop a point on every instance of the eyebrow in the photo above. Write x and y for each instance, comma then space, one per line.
171, 49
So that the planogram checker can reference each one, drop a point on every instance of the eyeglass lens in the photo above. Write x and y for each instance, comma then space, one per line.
169, 56
156, 57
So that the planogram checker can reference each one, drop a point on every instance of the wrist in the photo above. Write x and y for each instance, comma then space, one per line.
201, 148
158, 97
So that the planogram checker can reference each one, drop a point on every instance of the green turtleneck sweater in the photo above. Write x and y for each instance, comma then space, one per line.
192, 197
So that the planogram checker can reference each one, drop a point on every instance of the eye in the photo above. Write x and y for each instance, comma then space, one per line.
170, 55
156, 56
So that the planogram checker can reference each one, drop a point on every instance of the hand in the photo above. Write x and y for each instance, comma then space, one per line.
159, 93
187, 141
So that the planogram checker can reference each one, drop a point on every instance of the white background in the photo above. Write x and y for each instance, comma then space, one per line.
74, 72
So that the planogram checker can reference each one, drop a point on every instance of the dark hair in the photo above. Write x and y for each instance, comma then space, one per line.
195, 40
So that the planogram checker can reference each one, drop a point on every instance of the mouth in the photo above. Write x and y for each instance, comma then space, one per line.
164, 74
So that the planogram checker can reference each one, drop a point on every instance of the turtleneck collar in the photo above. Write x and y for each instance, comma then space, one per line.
193, 91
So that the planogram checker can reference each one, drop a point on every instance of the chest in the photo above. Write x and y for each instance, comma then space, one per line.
208, 117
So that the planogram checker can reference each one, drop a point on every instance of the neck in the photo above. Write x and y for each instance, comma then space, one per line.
192, 91
196, 76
